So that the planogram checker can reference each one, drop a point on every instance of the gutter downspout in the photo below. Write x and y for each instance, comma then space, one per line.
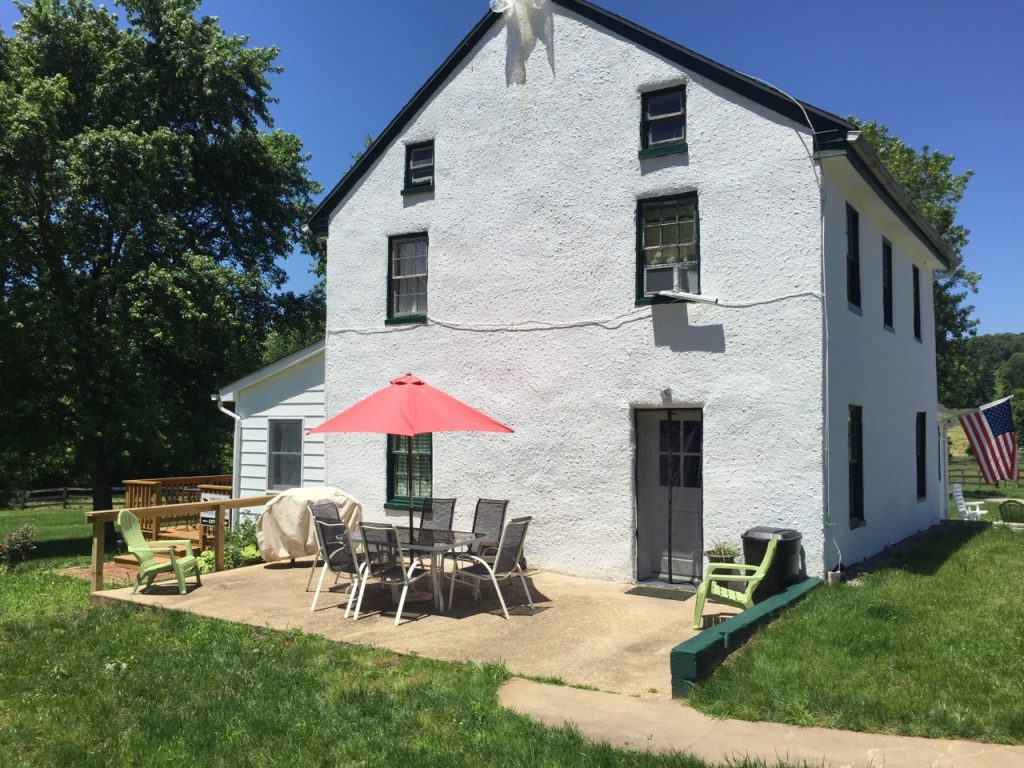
235, 453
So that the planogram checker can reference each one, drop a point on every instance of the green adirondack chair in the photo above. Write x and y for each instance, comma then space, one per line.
1011, 511
712, 587
145, 552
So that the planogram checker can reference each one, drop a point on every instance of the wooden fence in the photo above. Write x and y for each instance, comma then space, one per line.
152, 517
966, 473
51, 497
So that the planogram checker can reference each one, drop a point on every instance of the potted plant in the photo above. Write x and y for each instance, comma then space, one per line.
722, 552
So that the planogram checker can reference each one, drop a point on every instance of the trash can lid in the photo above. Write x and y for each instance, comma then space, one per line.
765, 533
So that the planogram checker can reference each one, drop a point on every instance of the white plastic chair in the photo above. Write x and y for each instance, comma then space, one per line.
966, 510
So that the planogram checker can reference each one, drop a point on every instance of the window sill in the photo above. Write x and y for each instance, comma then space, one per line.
855, 309
677, 148
858, 524
888, 328
417, 190
918, 339
646, 301
403, 505
405, 320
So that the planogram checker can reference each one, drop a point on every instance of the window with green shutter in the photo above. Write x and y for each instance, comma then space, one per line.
398, 469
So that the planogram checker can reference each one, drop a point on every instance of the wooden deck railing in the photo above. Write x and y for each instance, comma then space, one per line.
153, 516
155, 491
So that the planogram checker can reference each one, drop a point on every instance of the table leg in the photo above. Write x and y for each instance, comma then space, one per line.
436, 571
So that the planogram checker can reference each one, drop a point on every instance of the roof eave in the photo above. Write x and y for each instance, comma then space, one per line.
870, 166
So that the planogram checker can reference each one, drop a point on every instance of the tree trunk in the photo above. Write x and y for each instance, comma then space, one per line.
101, 496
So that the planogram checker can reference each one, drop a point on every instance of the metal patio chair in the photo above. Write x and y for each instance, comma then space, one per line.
385, 561
339, 557
438, 515
488, 520
328, 512
506, 564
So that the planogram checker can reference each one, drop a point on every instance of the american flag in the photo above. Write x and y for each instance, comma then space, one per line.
993, 440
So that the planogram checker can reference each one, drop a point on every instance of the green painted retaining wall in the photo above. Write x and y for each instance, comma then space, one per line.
699, 656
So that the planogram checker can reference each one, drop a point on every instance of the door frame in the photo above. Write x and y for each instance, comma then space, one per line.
634, 410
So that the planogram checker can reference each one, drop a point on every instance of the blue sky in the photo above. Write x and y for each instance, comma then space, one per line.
937, 72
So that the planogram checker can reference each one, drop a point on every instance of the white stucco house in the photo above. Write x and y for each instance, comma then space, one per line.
703, 305
273, 408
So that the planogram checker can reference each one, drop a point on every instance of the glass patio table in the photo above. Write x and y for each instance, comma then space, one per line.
436, 544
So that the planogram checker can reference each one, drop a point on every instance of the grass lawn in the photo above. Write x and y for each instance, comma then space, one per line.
88, 686
931, 648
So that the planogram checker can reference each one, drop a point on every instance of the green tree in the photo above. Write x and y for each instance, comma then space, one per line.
144, 200
928, 177
1010, 374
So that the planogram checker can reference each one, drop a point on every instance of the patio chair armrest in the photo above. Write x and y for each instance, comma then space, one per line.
730, 568
730, 577
163, 544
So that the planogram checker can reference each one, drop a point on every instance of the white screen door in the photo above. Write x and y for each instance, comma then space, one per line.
669, 495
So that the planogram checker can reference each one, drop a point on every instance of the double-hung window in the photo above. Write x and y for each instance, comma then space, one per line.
887, 284
284, 454
407, 278
398, 469
855, 437
419, 168
917, 302
852, 258
668, 255
663, 122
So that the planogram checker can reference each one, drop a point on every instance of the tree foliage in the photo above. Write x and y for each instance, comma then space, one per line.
144, 200
928, 177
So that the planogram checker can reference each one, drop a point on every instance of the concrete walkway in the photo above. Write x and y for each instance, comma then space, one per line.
668, 726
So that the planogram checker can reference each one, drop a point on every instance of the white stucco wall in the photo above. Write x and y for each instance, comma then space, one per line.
533, 220
296, 392
889, 374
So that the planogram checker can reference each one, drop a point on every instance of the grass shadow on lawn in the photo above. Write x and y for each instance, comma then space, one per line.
934, 549
60, 548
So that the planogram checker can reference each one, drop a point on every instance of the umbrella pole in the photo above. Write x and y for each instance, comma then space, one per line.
408, 467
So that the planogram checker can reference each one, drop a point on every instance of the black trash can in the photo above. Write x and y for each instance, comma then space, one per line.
785, 567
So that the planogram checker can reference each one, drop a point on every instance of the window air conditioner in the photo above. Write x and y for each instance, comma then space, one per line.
667, 278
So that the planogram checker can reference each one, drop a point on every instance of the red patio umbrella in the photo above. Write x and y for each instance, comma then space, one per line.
409, 406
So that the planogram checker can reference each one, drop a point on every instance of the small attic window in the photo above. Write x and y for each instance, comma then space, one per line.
419, 168
663, 122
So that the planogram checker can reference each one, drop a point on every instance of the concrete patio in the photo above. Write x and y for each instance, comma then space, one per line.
585, 632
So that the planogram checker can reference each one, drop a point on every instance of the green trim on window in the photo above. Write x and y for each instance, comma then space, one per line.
416, 190
640, 300
405, 320
407, 182
389, 318
402, 502
678, 148
644, 97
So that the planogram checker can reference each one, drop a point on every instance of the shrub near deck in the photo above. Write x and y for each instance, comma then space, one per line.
932, 648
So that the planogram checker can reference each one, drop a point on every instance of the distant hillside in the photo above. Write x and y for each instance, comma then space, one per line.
997, 363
